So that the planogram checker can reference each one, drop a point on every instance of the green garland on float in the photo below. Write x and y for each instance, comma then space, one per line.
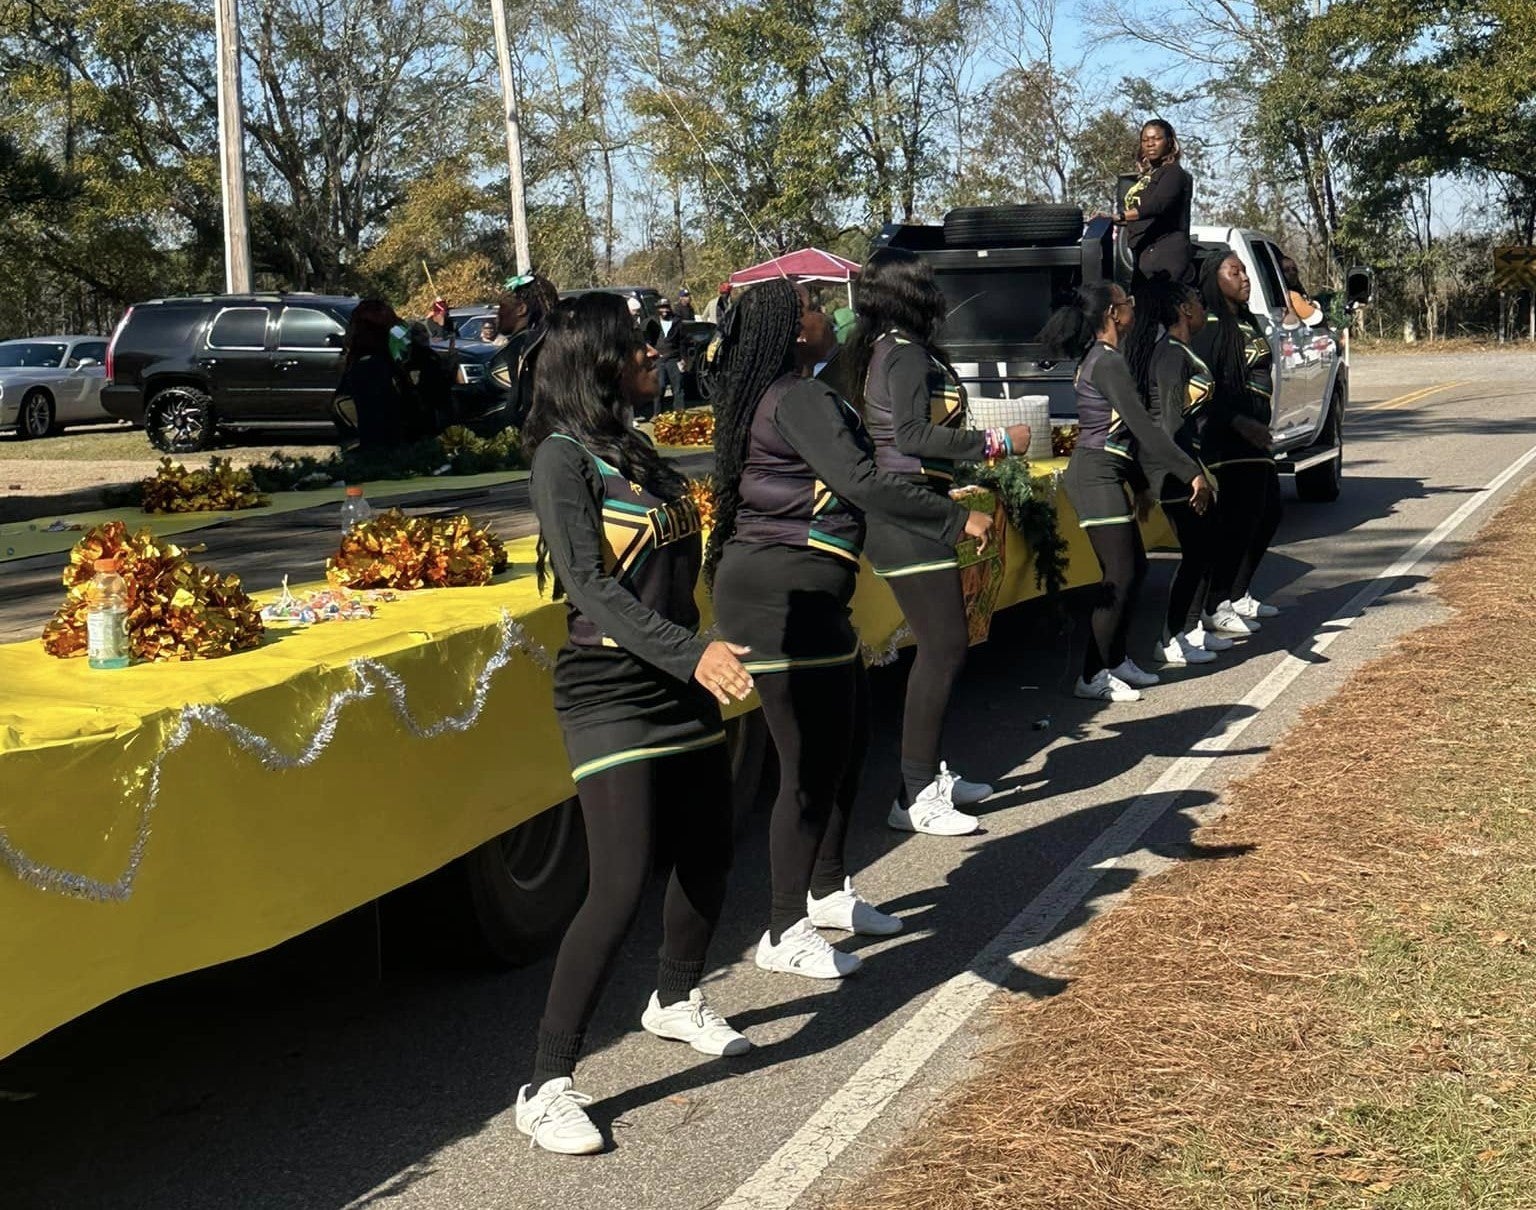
1027, 499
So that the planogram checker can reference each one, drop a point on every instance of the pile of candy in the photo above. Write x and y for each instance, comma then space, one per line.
323, 605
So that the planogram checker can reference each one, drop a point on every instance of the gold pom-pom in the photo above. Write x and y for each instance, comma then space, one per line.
220, 487
396, 551
684, 428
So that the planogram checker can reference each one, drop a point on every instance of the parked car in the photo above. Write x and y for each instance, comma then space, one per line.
50, 381
1003, 269
649, 296
187, 368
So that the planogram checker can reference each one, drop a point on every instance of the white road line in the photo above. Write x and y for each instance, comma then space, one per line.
791, 1170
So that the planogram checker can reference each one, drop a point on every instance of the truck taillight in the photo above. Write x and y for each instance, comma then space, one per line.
112, 345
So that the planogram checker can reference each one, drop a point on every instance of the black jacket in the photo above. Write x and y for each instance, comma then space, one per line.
1162, 208
669, 345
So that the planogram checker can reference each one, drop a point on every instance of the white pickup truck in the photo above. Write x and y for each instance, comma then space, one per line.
1004, 268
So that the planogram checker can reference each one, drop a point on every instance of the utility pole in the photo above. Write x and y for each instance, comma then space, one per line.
237, 237
514, 137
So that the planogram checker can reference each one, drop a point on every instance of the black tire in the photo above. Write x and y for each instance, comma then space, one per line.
525, 885
1322, 483
36, 416
1012, 226
747, 735
179, 420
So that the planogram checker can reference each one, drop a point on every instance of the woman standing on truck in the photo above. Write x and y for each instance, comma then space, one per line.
1177, 386
1120, 449
638, 694
794, 479
1155, 213
914, 407
1236, 443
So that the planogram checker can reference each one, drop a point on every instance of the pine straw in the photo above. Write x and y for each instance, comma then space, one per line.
1331, 1018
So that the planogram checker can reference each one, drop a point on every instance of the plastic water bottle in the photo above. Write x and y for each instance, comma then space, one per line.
106, 618
354, 509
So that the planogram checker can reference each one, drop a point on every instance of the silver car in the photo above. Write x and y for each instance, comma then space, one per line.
50, 381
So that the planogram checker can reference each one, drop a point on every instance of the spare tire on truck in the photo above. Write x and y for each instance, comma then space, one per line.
1012, 226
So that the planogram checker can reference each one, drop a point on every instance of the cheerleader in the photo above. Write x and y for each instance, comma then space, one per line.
794, 480
638, 694
1177, 386
914, 406
1117, 440
1237, 444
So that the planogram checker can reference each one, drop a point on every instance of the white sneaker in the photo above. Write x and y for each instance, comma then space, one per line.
965, 793
1132, 675
555, 1120
1179, 652
1206, 641
851, 912
1249, 608
803, 951
1106, 687
1225, 620
932, 813
694, 1022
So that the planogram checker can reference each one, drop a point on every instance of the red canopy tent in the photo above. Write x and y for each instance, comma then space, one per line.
809, 264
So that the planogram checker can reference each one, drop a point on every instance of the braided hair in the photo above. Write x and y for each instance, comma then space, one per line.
1157, 310
756, 349
1229, 330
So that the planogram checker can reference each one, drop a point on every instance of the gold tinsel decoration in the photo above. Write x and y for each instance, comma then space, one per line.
396, 551
1063, 440
702, 492
684, 428
177, 610
220, 487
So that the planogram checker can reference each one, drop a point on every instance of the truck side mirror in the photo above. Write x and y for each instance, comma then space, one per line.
1360, 285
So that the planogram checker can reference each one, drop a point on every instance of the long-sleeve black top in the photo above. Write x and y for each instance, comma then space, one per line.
569, 492
1162, 206
920, 410
1112, 417
1220, 441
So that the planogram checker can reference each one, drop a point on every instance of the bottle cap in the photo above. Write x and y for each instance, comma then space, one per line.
106, 564
354, 491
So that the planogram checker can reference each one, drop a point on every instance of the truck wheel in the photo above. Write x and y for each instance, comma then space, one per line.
1012, 226
1321, 484
526, 884
179, 420
36, 416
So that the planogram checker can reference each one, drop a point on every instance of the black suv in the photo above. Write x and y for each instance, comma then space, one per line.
187, 367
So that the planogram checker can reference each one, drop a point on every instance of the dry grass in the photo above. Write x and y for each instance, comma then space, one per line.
1346, 1015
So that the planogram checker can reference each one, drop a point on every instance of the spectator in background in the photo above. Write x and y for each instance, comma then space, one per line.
488, 334
375, 399
437, 319
525, 303
1301, 304
431, 379
667, 340
719, 304
844, 320
685, 305
817, 343
1156, 211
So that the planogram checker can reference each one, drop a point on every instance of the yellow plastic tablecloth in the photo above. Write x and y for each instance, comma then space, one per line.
240, 857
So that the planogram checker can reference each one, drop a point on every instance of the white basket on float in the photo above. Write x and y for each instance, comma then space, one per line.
1033, 410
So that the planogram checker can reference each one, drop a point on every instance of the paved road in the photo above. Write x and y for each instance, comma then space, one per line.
298, 1080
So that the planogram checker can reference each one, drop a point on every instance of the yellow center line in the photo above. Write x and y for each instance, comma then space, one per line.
1411, 397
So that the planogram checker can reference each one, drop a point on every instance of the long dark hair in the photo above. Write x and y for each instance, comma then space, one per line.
896, 290
368, 330
1157, 309
1175, 152
1228, 324
757, 348
1072, 329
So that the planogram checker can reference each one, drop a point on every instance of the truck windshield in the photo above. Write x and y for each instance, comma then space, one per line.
1004, 306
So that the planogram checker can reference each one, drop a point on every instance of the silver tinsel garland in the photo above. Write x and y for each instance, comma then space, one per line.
371, 677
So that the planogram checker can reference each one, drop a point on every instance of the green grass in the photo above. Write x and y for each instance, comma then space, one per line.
130, 445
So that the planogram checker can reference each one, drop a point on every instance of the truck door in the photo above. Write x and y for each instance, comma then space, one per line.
237, 363
307, 366
1269, 305
1308, 369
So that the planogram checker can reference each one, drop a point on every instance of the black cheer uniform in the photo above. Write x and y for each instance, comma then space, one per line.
1119, 445
914, 406
1159, 236
788, 572
628, 563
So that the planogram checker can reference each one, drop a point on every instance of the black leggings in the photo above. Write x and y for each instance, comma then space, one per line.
934, 605
1248, 518
1123, 560
1199, 542
682, 803
819, 720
